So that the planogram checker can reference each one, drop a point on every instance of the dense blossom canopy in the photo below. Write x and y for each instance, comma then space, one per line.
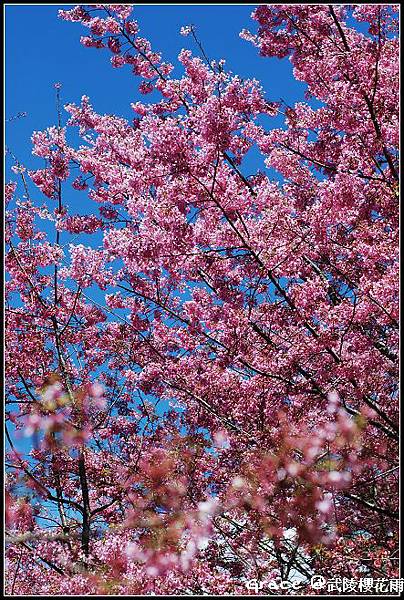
204, 362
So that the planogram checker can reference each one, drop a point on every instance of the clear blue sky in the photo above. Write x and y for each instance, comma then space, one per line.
41, 49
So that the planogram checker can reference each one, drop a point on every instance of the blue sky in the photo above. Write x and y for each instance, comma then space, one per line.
41, 49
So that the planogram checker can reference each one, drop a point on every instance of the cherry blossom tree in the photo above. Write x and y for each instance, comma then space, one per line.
204, 363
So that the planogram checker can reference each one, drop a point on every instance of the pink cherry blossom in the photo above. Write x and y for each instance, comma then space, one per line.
202, 365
